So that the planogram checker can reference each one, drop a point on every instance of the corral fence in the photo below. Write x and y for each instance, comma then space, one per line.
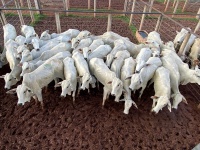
142, 20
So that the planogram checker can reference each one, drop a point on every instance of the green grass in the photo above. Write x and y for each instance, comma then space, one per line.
161, 1
38, 18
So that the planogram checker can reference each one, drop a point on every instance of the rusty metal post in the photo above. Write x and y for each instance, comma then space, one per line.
167, 5
109, 22
157, 28
184, 6
185, 41
143, 17
95, 7
89, 3
19, 13
132, 10
175, 8
31, 12
58, 22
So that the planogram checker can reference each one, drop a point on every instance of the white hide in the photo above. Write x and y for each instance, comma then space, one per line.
9, 32
195, 51
180, 36
20, 39
77, 45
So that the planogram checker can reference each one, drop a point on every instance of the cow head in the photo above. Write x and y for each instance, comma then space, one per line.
117, 86
109, 59
75, 42
162, 101
9, 80
35, 43
86, 79
26, 56
45, 35
66, 87
136, 81
86, 52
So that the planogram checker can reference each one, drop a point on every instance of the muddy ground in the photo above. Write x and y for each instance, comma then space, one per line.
87, 125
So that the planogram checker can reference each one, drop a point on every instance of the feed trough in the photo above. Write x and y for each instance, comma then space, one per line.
141, 36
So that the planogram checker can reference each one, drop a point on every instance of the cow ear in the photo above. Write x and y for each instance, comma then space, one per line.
154, 97
12, 91
2, 76
58, 84
110, 82
129, 77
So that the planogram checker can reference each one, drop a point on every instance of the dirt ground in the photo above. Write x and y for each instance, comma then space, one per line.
87, 125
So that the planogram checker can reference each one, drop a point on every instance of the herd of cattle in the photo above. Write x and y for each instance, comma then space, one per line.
79, 57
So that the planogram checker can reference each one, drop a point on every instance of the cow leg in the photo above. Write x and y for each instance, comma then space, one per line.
36, 100
105, 95
73, 95
39, 96
142, 90
79, 87
154, 103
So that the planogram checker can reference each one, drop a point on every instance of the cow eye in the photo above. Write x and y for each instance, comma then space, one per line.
29, 90
24, 91
10, 79
118, 84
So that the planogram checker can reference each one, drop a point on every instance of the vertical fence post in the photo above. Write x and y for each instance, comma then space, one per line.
31, 12
19, 13
3, 18
167, 5
165, 1
184, 6
58, 22
132, 10
143, 17
157, 28
197, 27
66, 6
109, 5
89, 3
151, 5
125, 6
198, 14
95, 7
22, 3
174, 3
37, 6
3, 3
185, 41
109, 22
175, 8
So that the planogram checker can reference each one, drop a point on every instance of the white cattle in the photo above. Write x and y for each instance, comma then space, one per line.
83, 34
28, 32
29, 67
128, 69
70, 32
45, 36
187, 47
180, 36
69, 84
118, 62
111, 83
100, 52
34, 82
28, 56
88, 50
119, 45
9, 32
142, 57
170, 64
195, 51
186, 75
140, 80
162, 90
77, 44
169, 45
14, 76
20, 39
155, 36
83, 71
